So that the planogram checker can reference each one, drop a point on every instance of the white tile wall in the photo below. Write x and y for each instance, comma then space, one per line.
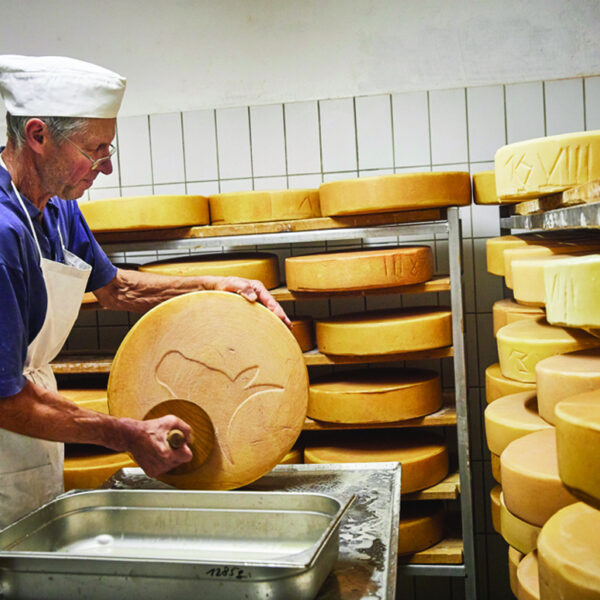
233, 139
200, 145
338, 135
411, 129
374, 132
268, 146
524, 111
166, 144
592, 103
134, 151
448, 118
564, 106
486, 122
302, 137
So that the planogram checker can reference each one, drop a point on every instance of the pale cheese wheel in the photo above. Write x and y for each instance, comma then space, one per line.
516, 532
260, 206
303, 329
358, 270
385, 332
514, 558
564, 375
547, 165
484, 189
494, 250
572, 291
495, 507
528, 585
523, 344
508, 311
510, 418
421, 526
388, 193
293, 457
578, 443
233, 358
257, 265
88, 467
423, 455
569, 554
496, 468
145, 212
498, 386
375, 396
91, 399
532, 488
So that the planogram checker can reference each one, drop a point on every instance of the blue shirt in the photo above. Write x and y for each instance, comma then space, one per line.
23, 298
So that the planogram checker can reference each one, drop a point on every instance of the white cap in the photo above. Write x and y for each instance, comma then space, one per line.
57, 86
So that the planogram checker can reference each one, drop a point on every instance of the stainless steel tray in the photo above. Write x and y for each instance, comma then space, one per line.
143, 544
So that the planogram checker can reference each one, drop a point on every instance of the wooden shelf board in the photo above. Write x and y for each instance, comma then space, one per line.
582, 194
314, 357
446, 552
447, 489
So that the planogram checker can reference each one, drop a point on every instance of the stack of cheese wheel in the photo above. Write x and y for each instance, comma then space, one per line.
261, 206
257, 265
514, 558
375, 396
145, 212
528, 586
388, 193
498, 386
421, 526
508, 311
423, 455
359, 270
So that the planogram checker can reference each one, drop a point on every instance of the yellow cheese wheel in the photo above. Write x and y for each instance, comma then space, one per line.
497, 386
145, 212
532, 488
569, 554
257, 265
572, 291
528, 586
91, 399
494, 250
233, 358
510, 418
423, 455
523, 344
508, 311
259, 206
375, 396
421, 526
516, 532
484, 189
547, 165
496, 470
564, 375
385, 332
303, 330
356, 270
293, 457
88, 467
495, 506
388, 193
514, 558
578, 442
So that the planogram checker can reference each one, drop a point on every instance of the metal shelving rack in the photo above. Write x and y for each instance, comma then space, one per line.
429, 222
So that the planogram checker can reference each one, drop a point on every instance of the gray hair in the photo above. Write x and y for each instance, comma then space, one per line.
58, 126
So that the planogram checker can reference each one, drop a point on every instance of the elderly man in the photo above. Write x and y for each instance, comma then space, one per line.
61, 122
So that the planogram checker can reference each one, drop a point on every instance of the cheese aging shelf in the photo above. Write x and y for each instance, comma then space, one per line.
454, 556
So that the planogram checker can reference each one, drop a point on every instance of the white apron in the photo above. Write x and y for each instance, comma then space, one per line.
31, 470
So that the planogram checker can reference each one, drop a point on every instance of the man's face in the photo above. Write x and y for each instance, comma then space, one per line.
67, 173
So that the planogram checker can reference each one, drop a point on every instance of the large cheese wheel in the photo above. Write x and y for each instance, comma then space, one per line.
356, 270
91, 399
258, 206
564, 375
293, 457
516, 532
508, 311
494, 250
514, 558
498, 386
145, 212
233, 358
375, 396
578, 443
421, 526
88, 467
303, 329
423, 455
387, 193
528, 586
510, 418
547, 165
569, 554
523, 344
385, 332
257, 265
572, 288
484, 189
496, 468
495, 507
531, 485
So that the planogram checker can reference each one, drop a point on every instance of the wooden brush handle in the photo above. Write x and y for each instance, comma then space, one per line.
176, 438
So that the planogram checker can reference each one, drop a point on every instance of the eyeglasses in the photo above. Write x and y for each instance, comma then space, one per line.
97, 162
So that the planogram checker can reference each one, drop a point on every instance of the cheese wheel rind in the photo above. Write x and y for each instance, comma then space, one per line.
495, 507
528, 587
89, 470
303, 330
496, 467
516, 532
514, 558
421, 526
508, 311
498, 386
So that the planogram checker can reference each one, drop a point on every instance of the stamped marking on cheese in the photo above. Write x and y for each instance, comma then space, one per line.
520, 358
236, 392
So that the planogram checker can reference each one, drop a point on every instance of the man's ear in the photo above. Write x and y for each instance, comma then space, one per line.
37, 135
